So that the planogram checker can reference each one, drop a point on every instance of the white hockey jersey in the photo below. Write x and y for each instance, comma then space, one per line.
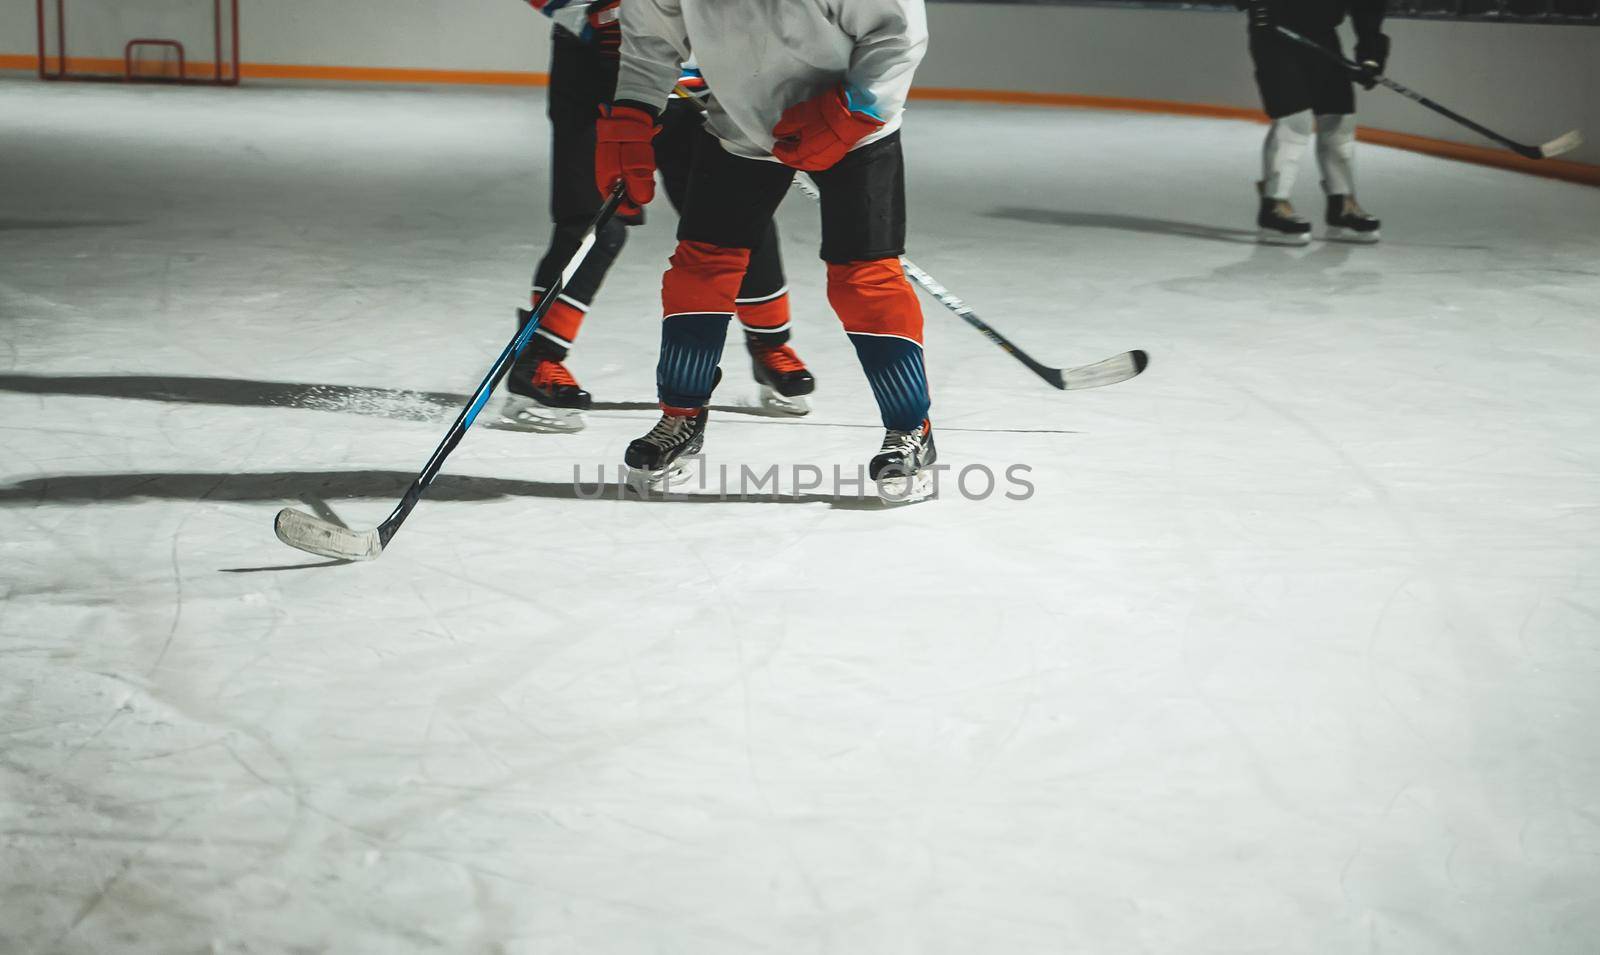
761, 57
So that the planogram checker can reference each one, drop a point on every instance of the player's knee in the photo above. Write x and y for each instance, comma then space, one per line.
1294, 128
703, 279
1336, 130
610, 239
874, 298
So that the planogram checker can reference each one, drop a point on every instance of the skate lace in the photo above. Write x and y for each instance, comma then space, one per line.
905, 441
669, 430
1353, 208
553, 373
782, 360
1285, 209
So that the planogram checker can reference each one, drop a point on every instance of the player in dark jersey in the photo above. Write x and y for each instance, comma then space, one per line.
1308, 95
541, 392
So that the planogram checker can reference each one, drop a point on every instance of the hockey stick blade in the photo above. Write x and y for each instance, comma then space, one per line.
1117, 368
1565, 143
325, 538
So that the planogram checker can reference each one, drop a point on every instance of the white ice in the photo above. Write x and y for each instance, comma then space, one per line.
1295, 649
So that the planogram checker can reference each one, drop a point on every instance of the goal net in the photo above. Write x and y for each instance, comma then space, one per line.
172, 41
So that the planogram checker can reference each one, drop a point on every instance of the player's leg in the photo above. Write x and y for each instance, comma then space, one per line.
763, 306
863, 237
728, 204
680, 126
1335, 106
543, 394
1283, 78
763, 300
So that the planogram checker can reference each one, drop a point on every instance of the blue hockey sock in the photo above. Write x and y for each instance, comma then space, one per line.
691, 348
899, 381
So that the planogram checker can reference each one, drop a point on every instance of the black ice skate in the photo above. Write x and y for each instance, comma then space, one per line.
1278, 224
783, 378
657, 458
541, 394
1348, 222
901, 466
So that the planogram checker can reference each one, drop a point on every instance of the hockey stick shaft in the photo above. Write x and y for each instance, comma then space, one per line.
1355, 69
963, 311
497, 372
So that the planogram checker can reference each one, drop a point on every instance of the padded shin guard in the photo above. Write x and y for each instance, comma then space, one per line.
691, 349
1336, 154
881, 313
697, 297
1287, 138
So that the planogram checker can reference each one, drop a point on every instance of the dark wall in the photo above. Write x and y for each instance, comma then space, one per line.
1506, 11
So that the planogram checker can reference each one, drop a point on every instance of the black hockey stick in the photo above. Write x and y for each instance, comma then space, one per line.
317, 536
1561, 144
1108, 371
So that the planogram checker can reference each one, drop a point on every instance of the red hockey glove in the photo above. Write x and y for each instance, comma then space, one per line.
603, 26
816, 134
623, 152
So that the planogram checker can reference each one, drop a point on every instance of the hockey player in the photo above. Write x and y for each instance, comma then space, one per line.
1304, 95
541, 392
817, 86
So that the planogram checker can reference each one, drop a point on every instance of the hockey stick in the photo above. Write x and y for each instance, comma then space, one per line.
317, 536
1098, 374
1107, 371
1561, 144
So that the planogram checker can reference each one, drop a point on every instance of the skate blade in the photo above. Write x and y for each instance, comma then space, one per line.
1341, 234
771, 401
906, 490
524, 414
1269, 237
643, 482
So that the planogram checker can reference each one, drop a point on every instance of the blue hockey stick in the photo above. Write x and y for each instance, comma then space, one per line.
317, 536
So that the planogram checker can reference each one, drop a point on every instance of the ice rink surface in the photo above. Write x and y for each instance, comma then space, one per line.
1294, 649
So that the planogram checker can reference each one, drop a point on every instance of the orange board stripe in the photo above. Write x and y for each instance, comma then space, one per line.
1580, 172
382, 74
1081, 101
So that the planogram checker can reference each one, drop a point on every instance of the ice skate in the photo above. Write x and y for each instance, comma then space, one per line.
1348, 222
783, 379
542, 395
901, 468
657, 459
1278, 224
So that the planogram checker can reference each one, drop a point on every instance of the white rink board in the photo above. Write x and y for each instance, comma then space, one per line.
99, 30
1294, 650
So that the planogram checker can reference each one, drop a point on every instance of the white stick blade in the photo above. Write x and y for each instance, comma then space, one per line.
1564, 143
1109, 372
317, 536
